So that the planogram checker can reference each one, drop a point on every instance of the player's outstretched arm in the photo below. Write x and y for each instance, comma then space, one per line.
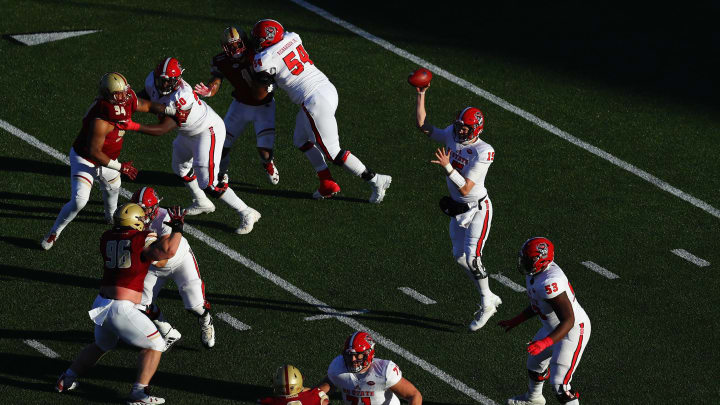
442, 158
210, 89
420, 112
526, 314
406, 390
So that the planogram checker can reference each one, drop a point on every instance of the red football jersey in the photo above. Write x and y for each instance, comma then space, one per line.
104, 110
311, 397
239, 74
124, 265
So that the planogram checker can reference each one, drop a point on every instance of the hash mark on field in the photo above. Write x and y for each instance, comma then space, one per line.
41, 348
691, 257
420, 297
336, 314
438, 71
600, 270
233, 321
508, 283
43, 37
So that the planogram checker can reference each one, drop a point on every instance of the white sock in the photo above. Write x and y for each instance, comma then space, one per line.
483, 286
316, 158
230, 198
195, 190
354, 165
138, 387
535, 388
110, 202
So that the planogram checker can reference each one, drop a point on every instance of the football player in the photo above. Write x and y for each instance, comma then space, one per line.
182, 268
282, 60
94, 154
288, 389
127, 249
197, 148
466, 162
558, 346
364, 379
252, 103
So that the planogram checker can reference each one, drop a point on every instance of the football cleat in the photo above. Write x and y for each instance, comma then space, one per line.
200, 206
64, 384
524, 399
249, 217
272, 172
379, 184
207, 333
171, 337
327, 189
483, 314
48, 241
143, 397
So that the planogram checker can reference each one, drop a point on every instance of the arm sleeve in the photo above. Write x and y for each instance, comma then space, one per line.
438, 135
393, 375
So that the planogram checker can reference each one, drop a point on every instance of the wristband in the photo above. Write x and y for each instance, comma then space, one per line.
457, 179
448, 168
114, 164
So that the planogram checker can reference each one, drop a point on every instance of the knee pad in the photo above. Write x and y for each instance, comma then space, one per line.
216, 192
341, 157
565, 395
193, 295
306, 146
190, 176
539, 377
476, 268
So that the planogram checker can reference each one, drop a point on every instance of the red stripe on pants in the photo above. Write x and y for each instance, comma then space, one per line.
202, 283
318, 138
483, 235
211, 181
569, 374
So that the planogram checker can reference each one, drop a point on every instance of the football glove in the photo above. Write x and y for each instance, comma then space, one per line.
177, 218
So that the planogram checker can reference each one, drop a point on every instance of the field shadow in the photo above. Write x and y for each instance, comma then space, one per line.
47, 276
22, 165
289, 194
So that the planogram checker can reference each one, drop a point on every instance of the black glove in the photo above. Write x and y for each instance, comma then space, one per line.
177, 218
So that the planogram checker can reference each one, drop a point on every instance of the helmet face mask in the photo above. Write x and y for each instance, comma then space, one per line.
130, 215
358, 352
168, 74
287, 381
468, 125
535, 255
234, 42
114, 89
266, 33
149, 201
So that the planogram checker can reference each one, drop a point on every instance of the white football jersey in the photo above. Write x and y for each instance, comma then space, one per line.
161, 229
183, 98
374, 384
471, 161
291, 67
549, 284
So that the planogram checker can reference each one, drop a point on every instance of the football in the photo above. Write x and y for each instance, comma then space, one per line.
420, 78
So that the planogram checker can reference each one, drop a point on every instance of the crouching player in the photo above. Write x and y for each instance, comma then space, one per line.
288, 389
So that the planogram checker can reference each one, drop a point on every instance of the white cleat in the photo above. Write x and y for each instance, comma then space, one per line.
207, 334
143, 397
379, 184
48, 241
65, 384
524, 399
202, 206
272, 172
171, 338
249, 217
485, 312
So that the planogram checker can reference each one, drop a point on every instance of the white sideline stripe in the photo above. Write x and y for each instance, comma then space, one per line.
508, 283
233, 321
423, 299
600, 270
328, 316
302, 295
515, 110
41, 348
691, 257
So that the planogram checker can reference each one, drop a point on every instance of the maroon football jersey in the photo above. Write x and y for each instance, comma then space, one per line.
239, 73
311, 397
124, 265
104, 110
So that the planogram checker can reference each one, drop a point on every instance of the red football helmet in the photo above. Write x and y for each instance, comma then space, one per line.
167, 76
468, 125
148, 199
266, 33
535, 255
234, 42
358, 352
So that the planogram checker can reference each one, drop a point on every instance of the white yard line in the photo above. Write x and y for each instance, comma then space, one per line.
43, 37
600, 270
234, 322
438, 71
328, 316
414, 294
41, 348
691, 257
508, 283
282, 283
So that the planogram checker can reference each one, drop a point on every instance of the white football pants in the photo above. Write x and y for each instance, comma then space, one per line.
186, 275
200, 152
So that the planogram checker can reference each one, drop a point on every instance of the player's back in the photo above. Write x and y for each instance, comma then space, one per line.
124, 265
292, 68
312, 396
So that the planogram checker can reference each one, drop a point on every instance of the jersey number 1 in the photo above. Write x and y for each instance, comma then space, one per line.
296, 66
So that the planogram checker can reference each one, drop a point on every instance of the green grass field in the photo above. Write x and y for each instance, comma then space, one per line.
654, 328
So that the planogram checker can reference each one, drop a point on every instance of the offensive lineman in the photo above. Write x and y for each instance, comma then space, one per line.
252, 101
288, 389
364, 379
182, 268
197, 148
557, 347
94, 154
127, 249
466, 162
281, 59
